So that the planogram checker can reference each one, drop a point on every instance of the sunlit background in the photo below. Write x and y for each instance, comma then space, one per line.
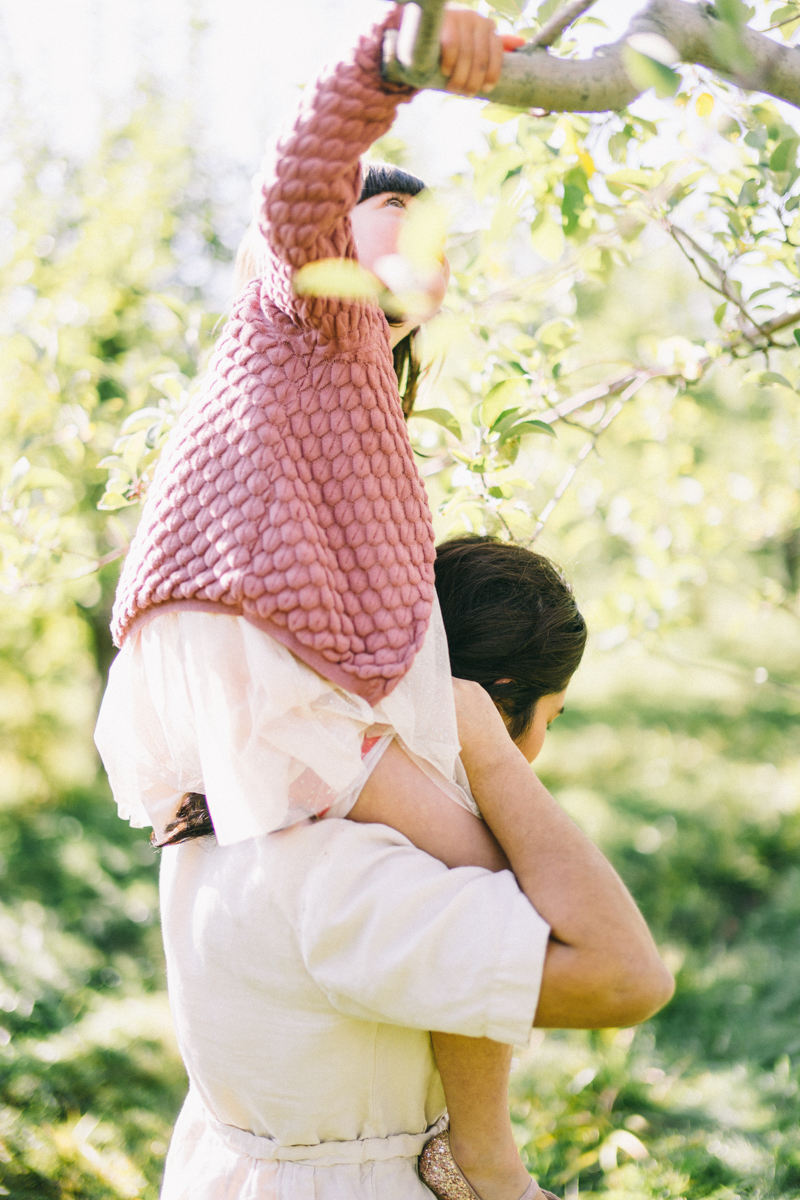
131, 133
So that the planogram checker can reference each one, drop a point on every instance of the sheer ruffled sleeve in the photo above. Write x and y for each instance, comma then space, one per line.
204, 702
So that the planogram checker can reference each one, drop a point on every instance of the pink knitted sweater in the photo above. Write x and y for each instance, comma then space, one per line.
289, 493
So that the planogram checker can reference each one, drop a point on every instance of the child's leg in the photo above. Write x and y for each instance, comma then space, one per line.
475, 1076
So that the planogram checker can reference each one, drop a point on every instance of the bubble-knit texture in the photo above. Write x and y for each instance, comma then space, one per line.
288, 493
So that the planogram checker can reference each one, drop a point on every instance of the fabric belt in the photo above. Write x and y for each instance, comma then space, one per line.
325, 1154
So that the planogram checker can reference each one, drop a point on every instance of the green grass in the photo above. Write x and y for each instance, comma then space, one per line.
689, 781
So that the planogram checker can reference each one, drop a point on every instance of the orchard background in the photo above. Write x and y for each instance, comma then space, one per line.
628, 281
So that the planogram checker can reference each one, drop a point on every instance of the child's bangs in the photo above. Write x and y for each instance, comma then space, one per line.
386, 177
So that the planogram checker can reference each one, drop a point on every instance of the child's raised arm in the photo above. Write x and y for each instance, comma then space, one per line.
316, 176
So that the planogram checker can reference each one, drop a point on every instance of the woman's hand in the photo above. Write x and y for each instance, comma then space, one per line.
485, 742
472, 51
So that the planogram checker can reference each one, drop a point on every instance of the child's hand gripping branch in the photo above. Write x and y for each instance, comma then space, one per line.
472, 51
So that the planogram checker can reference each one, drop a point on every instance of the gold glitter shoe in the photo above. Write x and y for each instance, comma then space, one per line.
440, 1172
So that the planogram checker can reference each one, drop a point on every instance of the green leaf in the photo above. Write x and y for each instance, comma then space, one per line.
111, 500
766, 378
546, 9
547, 237
785, 13
507, 417
498, 114
685, 185
619, 181
143, 418
43, 477
784, 155
796, 335
748, 196
501, 398
645, 72
133, 450
441, 417
734, 12
339, 277
526, 427
557, 334
171, 385
512, 9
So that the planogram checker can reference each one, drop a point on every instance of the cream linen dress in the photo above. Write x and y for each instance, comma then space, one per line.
305, 969
306, 959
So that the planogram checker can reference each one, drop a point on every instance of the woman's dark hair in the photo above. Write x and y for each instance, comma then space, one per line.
512, 625
512, 622
386, 177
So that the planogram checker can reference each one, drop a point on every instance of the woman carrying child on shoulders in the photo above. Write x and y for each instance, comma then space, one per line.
283, 659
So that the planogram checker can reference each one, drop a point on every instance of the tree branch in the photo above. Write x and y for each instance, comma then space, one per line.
635, 381
599, 391
722, 287
535, 78
558, 23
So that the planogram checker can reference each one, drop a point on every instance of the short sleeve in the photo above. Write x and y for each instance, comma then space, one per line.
401, 939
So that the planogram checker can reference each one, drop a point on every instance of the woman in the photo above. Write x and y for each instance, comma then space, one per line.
276, 608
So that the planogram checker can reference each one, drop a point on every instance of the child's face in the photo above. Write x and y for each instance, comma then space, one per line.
546, 710
377, 223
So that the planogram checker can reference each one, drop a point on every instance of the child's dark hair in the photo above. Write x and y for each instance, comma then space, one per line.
379, 178
509, 615
512, 622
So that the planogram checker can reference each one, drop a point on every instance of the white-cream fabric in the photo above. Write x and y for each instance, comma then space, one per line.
206, 702
305, 969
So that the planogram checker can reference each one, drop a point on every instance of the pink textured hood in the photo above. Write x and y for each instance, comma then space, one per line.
289, 493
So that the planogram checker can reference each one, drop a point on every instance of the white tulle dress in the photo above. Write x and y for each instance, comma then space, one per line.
205, 702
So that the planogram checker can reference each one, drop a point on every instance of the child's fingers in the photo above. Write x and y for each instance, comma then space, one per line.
449, 41
471, 52
473, 62
458, 24
496, 50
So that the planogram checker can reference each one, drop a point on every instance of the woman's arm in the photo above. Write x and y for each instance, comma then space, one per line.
602, 966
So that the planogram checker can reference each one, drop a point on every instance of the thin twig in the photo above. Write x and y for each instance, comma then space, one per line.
722, 288
96, 565
642, 377
726, 669
588, 396
778, 24
553, 28
770, 327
